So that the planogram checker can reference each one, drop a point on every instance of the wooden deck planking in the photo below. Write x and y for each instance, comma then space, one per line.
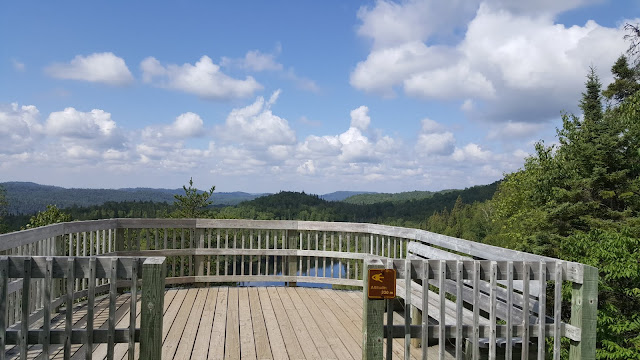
172, 341
321, 343
216, 351
203, 337
304, 338
247, 341
263, 349
241, 323
276, 341
232, 335
188, 337
294, 350
329, 333
353, 342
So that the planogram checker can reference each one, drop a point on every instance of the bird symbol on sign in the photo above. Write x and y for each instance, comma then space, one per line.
378, 277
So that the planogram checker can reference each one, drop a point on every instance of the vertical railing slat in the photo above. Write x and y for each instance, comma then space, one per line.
476, 310
71, 274
542, 310
459, 284
24, 326
492, 310
525, 309
442, 274
91, 300
132, 308
407, 309
4, 283
557, 310
46, 318
113, 292
389, 305
508, 349
425, 305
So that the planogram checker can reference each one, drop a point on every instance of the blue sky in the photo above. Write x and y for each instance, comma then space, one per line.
307, 95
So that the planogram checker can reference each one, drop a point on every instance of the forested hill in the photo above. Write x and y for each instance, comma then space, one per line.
301, 206
28, 198
342, 195
372, 198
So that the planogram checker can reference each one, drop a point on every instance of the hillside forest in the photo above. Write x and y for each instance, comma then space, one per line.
577, 200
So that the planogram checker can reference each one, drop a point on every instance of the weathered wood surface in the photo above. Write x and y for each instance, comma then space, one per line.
263, 323
235, 248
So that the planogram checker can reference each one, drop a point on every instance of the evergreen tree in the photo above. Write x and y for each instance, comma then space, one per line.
3, 209
193, 202
625, 81
580, 201
591, 103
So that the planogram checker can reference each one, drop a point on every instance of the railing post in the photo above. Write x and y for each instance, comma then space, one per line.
292, 261
372, 315
584, 314
153, 275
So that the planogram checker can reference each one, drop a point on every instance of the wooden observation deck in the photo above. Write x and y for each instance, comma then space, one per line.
213, 289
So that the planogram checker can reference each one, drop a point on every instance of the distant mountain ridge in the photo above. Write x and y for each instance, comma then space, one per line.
29, 197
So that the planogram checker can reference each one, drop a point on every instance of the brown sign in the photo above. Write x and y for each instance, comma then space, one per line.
382, 284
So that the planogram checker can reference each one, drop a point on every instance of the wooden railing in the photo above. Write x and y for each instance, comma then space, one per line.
502, 292
32, 324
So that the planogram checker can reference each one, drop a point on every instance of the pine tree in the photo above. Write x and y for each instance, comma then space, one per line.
192, 203
625, 81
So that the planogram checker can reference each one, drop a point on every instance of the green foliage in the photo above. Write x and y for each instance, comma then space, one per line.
580, 201
52, 215
192, 203
367, 199
616, 254
591, 103
4, 204
625, 81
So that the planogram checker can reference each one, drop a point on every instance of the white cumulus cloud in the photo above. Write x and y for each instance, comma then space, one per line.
433, 139
472, 153
510, 60
82, 125
256, 124
93, 130
360, 118
19, 128
254, 60
97, 67
204, 79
